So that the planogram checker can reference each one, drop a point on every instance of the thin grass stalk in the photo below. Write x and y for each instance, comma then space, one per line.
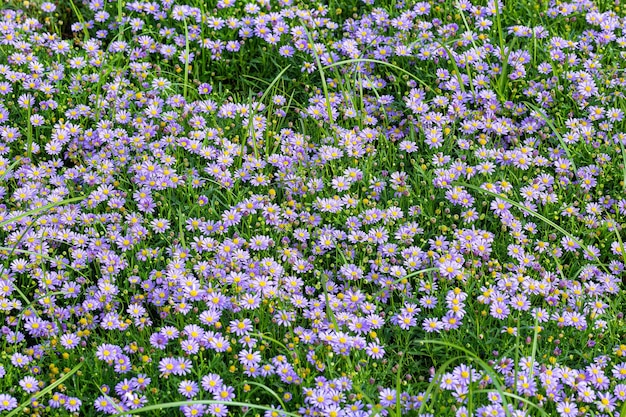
177, 404
45, 391
554, 130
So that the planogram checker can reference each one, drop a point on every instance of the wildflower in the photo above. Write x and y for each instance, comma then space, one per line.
374, 350
500, 206
69, 341
567, 409
432, 325
387, 397
499, 310
160, 225
218, 410
29, 384
193, 410
224, 393
7, 402
450, 268
188, 388
405, 321
205, 88
73, 404
569, 244
167, 366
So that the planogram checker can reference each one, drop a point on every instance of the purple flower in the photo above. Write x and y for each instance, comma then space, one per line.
387, 397
182, 366
70, 341
428, 302
188, 388
190, 347
29, 384
218, 410
499, 310
170, 332
211, 382
567, 409
405, 321
224, 393
450, 268
125, 386
193, 410
122, 364
432, 325
500, 206
19, 360
7, 402
374, 350
219, 343
241, 327
73, 404
260, 242
158, 341
102, 404
160, 225
451, 321
249, 357
167, 366
569, 244
205, 88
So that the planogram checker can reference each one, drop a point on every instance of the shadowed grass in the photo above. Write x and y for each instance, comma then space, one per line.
261, 100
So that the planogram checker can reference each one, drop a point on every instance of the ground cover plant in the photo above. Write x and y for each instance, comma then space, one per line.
340, 209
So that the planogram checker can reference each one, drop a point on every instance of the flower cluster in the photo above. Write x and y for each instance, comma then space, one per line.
402, 183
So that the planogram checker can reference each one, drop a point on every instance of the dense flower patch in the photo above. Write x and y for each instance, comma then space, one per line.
298, 209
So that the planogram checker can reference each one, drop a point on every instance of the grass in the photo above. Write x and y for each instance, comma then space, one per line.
317, 231
45, 391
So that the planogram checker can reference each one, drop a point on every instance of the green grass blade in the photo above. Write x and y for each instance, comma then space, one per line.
455, 67
554, 130
435, 381
271, 391
253, 109
526, 210
518, 398
411, 275
500, 388
40, 209
376, 61
621, 145
81, 19
44, 391
320, 68
177, 404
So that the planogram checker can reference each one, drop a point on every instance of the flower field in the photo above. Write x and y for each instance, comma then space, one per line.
347, 208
